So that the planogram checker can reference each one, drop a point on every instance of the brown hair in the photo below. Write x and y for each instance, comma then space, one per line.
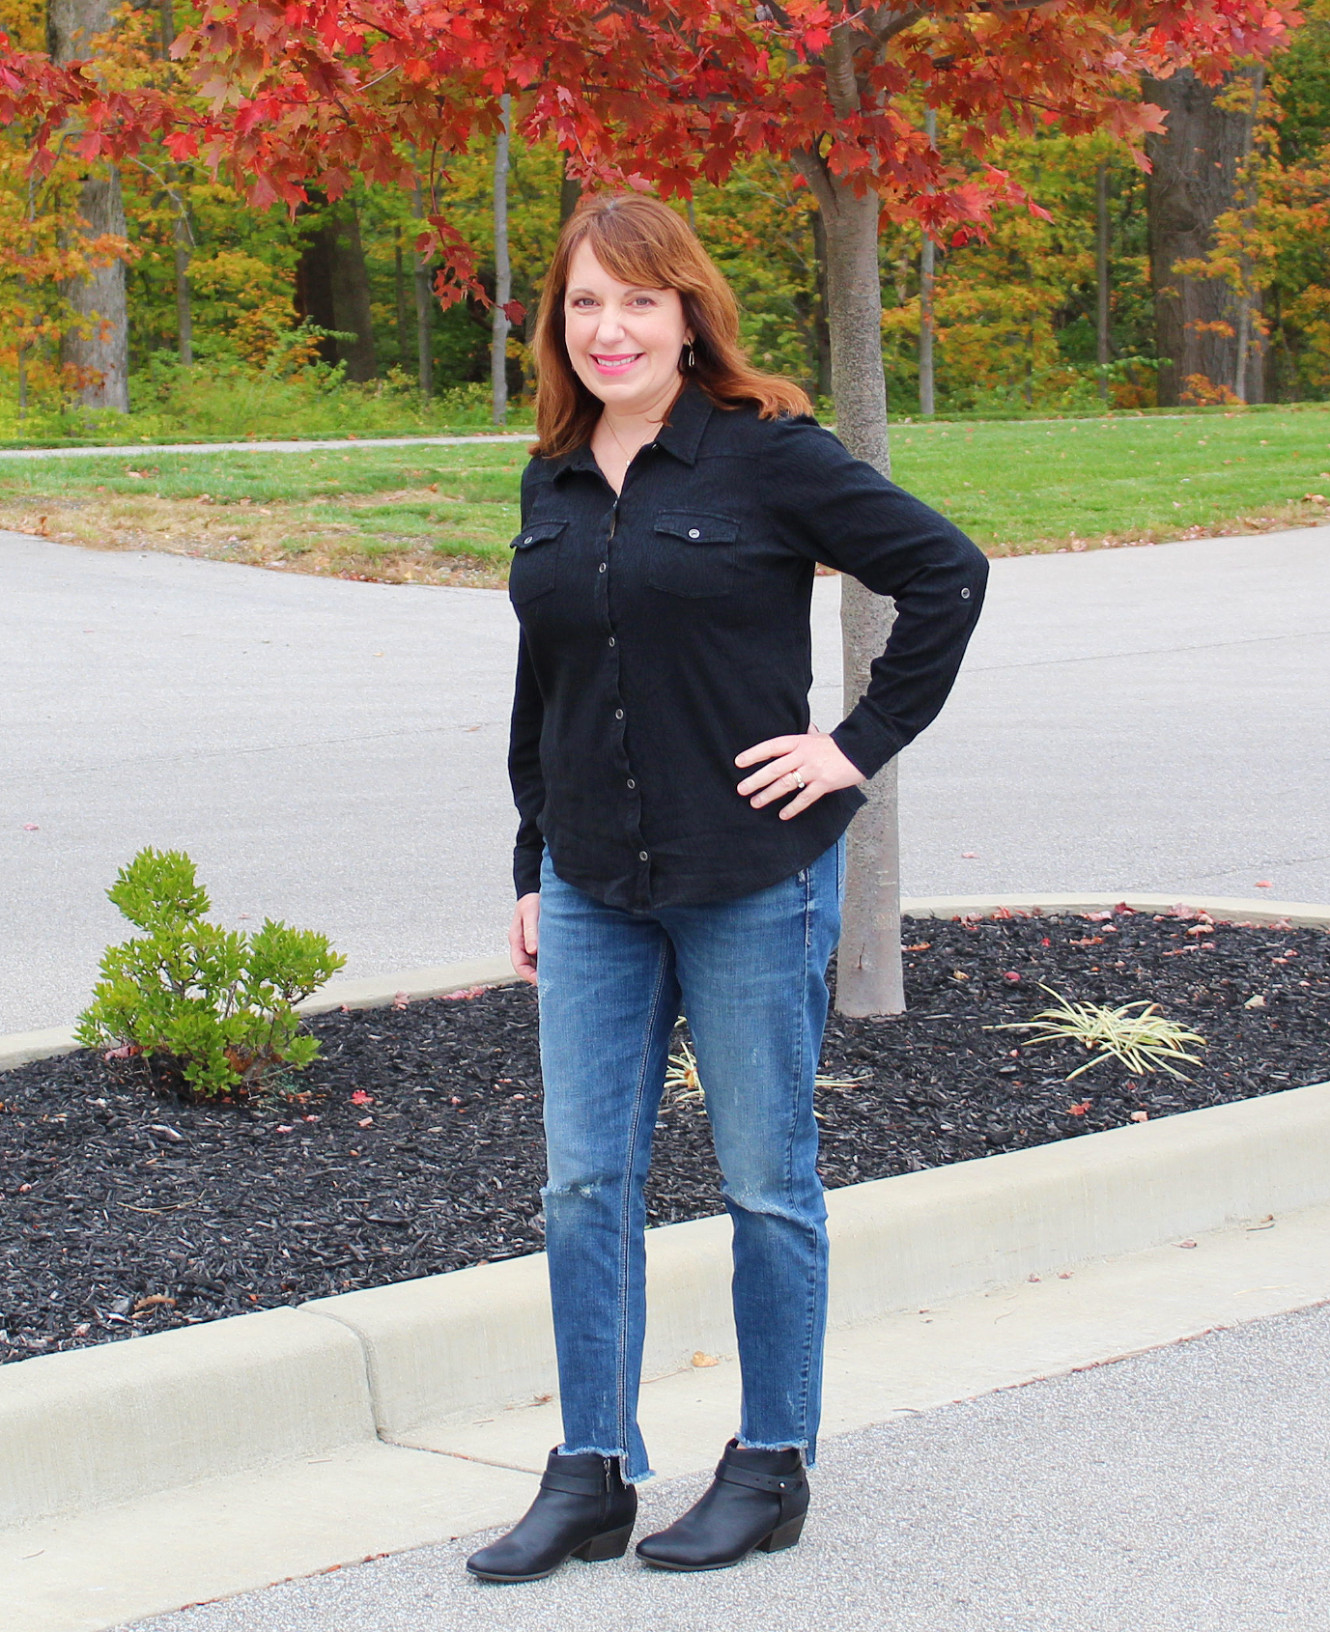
643, 242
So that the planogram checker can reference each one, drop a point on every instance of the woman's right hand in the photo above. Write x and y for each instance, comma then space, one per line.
524, 936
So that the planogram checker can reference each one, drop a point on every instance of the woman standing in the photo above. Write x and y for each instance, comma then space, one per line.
681, 839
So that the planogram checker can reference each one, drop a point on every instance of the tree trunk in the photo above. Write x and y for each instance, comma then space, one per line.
1248, 373
869, 977
184, 317
182, 237
1193, 181
503, 276
570, 192
399, 299
424, 308
96, 346
927, 275
1101, 276
821, 327
332, 288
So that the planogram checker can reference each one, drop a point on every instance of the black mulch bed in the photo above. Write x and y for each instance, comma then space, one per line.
125, 1210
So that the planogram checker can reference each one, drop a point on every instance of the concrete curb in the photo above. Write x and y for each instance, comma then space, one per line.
22, 1047
100, 1426
95, 1427
451, 1348
103, 1426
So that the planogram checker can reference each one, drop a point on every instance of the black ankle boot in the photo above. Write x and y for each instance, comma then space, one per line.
583, 1509
757, 1500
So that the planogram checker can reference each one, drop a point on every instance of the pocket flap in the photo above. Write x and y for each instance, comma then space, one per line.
538, 532
698, 527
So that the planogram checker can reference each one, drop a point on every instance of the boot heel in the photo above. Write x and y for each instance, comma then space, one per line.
612, 1544
783, 1536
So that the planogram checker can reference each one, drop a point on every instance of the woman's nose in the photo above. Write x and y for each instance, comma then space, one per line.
610, 327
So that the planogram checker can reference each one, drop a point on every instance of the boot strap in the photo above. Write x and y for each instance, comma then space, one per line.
574, 1484
775, 1483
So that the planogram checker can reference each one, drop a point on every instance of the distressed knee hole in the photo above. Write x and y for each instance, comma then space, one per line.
583, 1190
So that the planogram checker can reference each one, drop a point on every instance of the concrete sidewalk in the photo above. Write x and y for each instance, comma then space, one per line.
1184, 1490
332, 753
114, 450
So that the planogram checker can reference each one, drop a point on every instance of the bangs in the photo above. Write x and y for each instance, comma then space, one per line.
640, 249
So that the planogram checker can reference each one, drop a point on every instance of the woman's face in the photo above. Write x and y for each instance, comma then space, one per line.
624, 342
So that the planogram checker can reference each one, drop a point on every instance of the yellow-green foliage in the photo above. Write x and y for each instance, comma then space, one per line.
219, 1004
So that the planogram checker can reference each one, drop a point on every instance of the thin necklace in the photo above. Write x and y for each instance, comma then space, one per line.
627, 457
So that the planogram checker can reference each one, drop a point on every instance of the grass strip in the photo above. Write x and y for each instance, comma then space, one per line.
446, 515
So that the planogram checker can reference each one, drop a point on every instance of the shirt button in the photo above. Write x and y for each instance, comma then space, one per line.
613, 642
527, 539
694, 533
631, 783
604, 564
642, 855
965, 594
618, 713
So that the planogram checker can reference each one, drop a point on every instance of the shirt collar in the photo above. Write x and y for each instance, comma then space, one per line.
681, 434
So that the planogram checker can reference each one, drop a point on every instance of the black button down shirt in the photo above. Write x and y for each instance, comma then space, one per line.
665, 630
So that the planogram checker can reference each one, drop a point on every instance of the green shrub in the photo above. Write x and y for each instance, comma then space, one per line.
218, 1003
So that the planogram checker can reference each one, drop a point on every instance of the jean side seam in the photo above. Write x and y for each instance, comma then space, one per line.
806, 1361
625, 1245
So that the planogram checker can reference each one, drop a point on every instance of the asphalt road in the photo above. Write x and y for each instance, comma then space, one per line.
332, 753
1185, 1490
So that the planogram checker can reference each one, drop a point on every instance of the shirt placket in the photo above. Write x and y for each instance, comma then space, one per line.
623, 772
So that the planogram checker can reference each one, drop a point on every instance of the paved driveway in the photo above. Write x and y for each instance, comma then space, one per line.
332, 753
1186, 1490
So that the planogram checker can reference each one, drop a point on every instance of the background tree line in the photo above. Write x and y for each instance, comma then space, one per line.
1207, 280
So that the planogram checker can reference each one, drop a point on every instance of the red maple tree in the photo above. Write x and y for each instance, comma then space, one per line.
293, 92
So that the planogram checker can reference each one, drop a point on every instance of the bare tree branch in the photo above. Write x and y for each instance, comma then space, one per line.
897, 23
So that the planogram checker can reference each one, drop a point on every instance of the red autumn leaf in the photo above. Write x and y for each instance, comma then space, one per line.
288, 94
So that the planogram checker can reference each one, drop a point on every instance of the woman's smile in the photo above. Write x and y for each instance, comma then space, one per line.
616, 365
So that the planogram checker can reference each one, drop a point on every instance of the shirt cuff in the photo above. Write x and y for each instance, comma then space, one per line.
526, 869
864, 742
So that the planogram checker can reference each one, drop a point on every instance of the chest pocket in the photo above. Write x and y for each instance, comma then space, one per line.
694, 554
535, 561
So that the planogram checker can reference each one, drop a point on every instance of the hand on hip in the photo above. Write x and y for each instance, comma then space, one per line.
806, 766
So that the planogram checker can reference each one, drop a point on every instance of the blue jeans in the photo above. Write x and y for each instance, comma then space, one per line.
750, 974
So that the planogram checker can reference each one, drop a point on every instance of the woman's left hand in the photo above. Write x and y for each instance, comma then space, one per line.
807, 766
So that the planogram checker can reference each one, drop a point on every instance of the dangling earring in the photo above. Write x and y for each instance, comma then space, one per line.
690, 356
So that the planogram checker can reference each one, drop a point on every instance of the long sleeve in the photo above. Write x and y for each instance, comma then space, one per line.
841, 512
524, 772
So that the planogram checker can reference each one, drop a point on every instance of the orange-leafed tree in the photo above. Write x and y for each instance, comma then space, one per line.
317, 92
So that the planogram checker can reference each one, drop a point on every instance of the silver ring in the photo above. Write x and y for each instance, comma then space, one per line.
798, 781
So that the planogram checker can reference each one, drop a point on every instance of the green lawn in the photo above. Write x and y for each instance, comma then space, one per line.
434, 513
422, 513
1022, 485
